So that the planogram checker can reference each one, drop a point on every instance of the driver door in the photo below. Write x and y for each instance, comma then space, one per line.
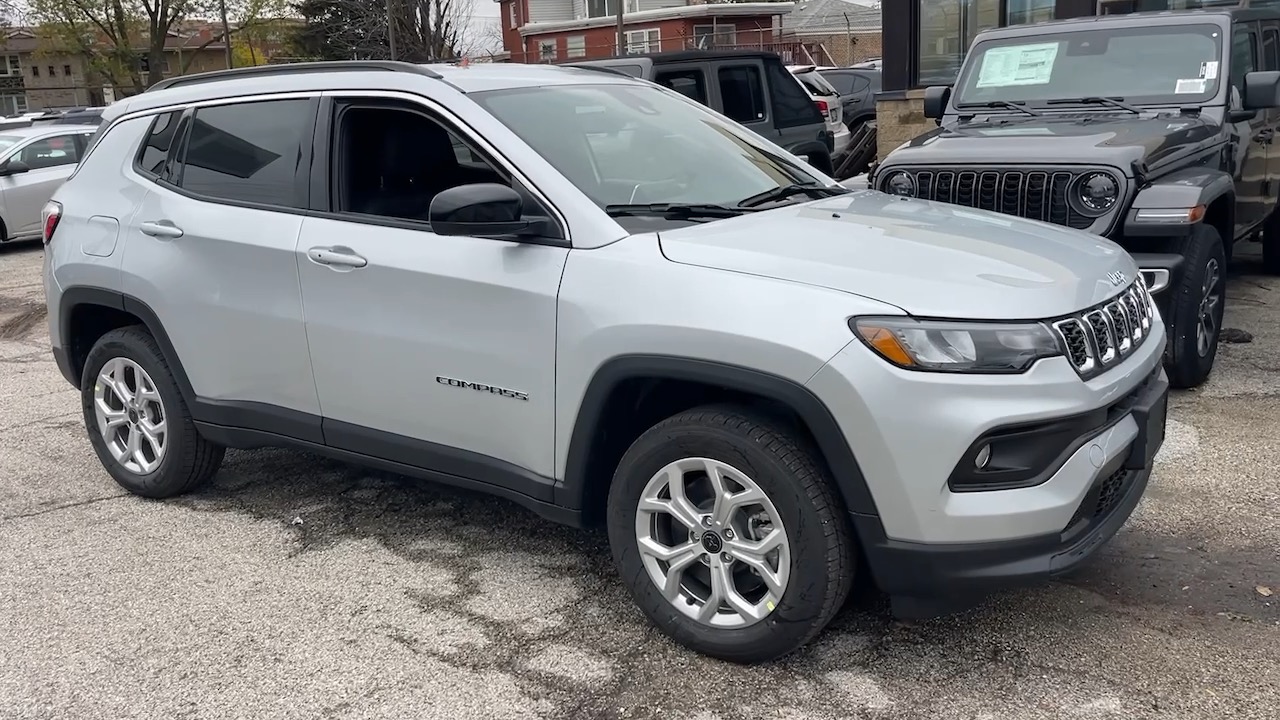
51, 161
431, 350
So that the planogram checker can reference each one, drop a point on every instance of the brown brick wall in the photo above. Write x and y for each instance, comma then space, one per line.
898, 121
846, 49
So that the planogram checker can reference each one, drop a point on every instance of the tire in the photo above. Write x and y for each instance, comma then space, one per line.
1271, 243
1205, 275
817, 555
183, 459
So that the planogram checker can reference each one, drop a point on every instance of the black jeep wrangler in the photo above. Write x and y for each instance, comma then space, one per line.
1152, 129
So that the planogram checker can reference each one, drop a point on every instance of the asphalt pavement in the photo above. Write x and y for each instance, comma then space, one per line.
298, 587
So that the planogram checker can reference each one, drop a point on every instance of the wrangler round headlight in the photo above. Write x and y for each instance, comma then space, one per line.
1095, 193
900, 183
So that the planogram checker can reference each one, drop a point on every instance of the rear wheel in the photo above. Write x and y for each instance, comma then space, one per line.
726, 530
138, 423
1198, 306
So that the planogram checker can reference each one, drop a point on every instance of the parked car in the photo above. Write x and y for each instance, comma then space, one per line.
34, 161
750, 86
704, 344
828, 102
858, 90
872, 64
1152, 129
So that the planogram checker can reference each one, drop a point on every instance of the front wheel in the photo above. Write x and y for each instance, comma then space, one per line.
1197, 306
726, 530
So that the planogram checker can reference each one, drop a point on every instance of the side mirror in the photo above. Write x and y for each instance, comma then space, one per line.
1262, 90
936, 98
478, 210
13, 167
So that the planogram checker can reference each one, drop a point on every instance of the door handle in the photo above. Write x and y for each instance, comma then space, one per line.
336, 256
160, 229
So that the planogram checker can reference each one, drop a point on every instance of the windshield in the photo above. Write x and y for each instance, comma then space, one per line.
625, 144
1170, 64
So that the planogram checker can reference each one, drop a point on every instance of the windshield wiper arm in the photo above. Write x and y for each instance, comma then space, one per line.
673, 211
785, 191
1093, 100
1008, 104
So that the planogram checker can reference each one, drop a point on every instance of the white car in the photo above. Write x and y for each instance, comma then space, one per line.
828, 100
34, 162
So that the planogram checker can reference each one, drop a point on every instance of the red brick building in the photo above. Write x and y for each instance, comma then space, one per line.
559, 30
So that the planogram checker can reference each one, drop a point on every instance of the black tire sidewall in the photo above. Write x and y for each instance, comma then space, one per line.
1189, 368
801, 606
132, 344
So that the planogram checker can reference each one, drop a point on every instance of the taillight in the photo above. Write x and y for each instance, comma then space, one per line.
51, 214
822, 107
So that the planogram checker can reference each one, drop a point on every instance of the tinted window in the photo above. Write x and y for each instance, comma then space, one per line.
842, 82
690, 83
792, 106
1244, 53
156, 149
1271, 49
742, 94
247, 152
50, 152
816, 84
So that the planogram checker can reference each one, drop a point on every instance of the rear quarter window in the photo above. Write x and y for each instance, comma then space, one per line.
792, 106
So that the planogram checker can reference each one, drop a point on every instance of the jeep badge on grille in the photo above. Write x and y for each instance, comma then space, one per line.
1116, 277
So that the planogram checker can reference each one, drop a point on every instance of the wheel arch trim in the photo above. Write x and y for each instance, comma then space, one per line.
850, 483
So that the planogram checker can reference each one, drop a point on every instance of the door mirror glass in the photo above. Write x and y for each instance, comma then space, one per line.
478, 210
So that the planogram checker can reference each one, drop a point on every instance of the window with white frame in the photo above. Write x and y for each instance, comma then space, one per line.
575, 46
547, 50
632, 6
601, 8
11, 66
13, 103
643, 41
720, 35
512, 8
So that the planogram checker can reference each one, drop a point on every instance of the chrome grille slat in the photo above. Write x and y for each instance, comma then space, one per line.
1099, 337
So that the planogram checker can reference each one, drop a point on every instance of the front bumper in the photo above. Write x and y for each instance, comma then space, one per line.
929, 579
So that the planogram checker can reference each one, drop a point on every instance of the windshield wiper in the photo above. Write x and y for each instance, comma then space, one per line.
673, 211
783, 192
1008, 104
1113, 102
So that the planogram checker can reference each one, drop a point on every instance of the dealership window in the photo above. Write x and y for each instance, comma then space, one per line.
547, 50
575, 46
947, 27
643, 41
722, 35
1023, 12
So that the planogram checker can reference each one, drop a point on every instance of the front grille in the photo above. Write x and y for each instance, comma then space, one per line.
1097, 338
1036, 194
1102, 498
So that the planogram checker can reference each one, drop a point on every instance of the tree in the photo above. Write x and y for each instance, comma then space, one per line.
115, 37
425, 30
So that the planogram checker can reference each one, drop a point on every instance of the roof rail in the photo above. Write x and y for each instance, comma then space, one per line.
295, 68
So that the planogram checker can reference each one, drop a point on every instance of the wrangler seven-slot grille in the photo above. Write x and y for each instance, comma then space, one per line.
1101, 336
1037, 194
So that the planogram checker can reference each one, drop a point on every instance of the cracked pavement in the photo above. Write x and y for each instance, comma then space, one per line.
299, 587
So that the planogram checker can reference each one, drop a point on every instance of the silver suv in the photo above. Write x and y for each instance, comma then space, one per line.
600, 299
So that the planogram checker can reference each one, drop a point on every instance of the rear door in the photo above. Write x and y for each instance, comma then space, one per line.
1255, 133
741, 94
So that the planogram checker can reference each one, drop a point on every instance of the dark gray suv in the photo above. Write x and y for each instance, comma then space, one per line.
1152, 129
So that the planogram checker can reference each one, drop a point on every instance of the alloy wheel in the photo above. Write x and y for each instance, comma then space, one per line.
1210, 300
713, 543
131, 416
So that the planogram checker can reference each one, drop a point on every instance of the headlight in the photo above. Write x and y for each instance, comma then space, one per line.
900, 183
1095, 194
956, 346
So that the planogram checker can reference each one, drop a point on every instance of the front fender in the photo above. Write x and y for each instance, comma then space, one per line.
1173, 204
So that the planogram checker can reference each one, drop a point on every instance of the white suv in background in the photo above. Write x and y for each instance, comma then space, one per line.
828, 100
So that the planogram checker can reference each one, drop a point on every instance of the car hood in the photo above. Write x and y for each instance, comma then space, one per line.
930, 259
1097, 138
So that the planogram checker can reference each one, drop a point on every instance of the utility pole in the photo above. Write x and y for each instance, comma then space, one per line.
622, 47
226, 33
391, 29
